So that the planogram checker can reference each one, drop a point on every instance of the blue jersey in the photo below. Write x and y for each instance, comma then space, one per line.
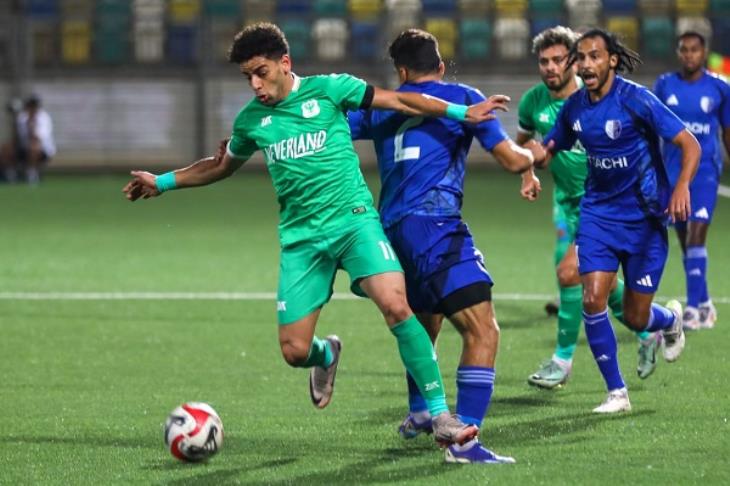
704, 107
422, 160
621, 134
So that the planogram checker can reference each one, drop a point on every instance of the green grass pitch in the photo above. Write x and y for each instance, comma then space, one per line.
87, 384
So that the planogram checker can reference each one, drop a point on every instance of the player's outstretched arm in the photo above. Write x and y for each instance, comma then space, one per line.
417, 104
204, 171
679, 205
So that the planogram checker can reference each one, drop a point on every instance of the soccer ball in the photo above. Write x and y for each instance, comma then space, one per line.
193, 432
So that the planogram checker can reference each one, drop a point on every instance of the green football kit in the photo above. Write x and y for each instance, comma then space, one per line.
537, 112
327, 217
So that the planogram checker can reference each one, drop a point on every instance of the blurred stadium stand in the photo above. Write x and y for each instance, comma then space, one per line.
131, 81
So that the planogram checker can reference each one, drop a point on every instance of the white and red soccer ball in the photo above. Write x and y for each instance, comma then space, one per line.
193, 432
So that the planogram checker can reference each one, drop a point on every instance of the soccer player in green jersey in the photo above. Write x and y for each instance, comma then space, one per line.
327, 218
538, 110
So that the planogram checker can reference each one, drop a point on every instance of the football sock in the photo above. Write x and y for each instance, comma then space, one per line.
320, 354
562, 243
602, 341
419, 358
695, 267
569, 317
659, 318
474, 385
416, 403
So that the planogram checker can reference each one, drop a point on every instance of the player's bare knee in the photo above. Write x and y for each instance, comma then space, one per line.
594, 303
396, 309
567, 275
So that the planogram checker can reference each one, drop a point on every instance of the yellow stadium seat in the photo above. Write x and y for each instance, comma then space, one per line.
691, 7
184, 11
445, 31
511, 8
365, 9
75, 41
627, 28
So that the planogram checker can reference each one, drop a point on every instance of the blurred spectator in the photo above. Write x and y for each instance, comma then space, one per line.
31, 145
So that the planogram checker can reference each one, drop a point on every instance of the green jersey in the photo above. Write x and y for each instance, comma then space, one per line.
308, 151
537, 112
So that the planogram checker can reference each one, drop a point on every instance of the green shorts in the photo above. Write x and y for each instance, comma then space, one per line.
307, 269
566, 215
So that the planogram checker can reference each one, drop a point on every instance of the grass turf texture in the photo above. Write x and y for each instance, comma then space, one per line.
87, 385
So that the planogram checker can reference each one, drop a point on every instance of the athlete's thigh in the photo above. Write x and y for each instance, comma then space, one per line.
364, 251
596, 247
643, 261
306, 275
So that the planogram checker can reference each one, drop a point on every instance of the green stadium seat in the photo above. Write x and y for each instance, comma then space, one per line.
476, 39
546, 8
719, 7
222, 8
112, 13
330, 8
657, 34
297, 33
111, 48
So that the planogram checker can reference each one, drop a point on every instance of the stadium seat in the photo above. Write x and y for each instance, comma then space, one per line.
330, 35
182, 44
719, 7
511, 8
183, 12
402, 15
511, 34
657, 34
148, 9
258, 11
539, 24
627, 29
330, 8
148, 46
697, 24
222, 8
441, 8
444, 29
619, 7
583, 13
75, 41
546, 8
221, 35
297, 33
42, 9
476, 39
721, 35
77, 9
45, 42
365, 10
364, 40
292, 7
111, 47
477, 8
110, 11
655, 7
691, 7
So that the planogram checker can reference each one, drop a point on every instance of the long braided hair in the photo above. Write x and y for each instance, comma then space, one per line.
628, 59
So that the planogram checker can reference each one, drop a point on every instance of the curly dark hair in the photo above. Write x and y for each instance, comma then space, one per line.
260, 39
628, 59
416, 49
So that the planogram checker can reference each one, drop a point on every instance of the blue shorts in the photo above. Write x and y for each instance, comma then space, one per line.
438, 257
641, 248
703, 199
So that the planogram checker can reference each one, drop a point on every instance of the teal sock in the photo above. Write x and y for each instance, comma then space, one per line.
569, 321
320, 354
419, 358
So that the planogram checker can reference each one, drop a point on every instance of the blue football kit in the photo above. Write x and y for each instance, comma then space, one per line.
623, 218
704, 107
422, 166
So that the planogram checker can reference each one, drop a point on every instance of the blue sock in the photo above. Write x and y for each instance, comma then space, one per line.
695, 268
474, 386
416, 402
659, 318
602, 341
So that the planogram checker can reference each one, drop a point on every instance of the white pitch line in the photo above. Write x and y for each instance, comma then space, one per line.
723, 190
245, 296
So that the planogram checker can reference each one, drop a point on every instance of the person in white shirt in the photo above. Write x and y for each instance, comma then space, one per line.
33, 145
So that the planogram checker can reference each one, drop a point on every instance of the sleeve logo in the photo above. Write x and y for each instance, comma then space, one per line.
310, 109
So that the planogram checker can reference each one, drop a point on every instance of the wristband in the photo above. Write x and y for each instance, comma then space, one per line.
166, 182
456, 112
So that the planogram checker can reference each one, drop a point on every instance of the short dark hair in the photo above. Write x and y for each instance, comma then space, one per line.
416, 49
554, 36
692, 33
259, 39
33, 101
627, 58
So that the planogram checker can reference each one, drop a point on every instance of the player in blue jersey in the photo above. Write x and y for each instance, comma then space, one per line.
627, 199
702, 100
422, 165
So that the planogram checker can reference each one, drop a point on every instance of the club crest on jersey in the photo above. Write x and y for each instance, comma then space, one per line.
310, 109
613, 129
706, 104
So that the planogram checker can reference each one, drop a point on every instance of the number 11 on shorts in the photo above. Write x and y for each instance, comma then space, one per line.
387, 250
